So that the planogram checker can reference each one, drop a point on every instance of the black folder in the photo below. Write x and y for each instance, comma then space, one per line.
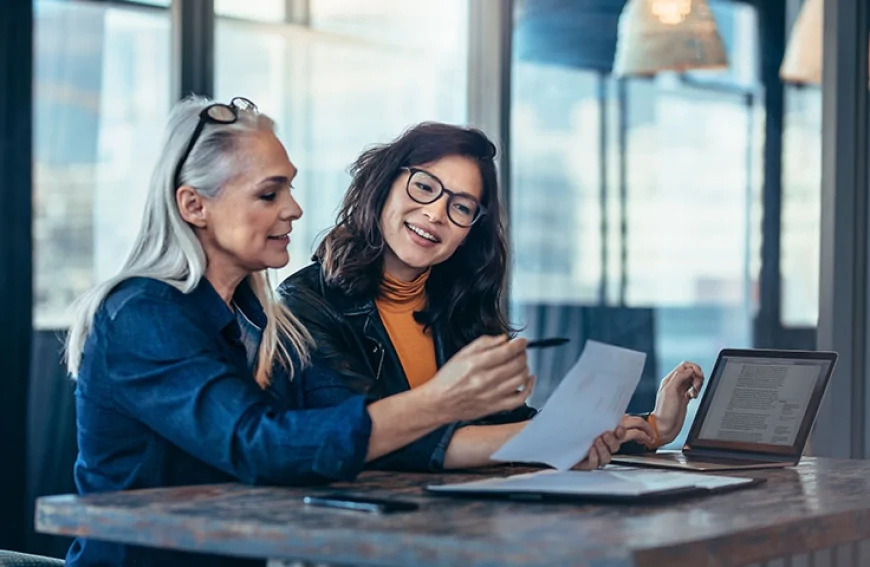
612, 484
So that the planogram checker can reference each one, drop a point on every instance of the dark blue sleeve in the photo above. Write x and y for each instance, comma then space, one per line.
169, 373
322, 388
522, 413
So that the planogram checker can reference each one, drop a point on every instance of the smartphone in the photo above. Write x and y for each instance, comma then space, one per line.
361, 503
545, 343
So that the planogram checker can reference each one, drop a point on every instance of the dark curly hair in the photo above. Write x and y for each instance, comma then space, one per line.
464, 292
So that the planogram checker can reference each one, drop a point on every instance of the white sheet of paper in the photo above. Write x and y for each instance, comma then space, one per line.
591, 399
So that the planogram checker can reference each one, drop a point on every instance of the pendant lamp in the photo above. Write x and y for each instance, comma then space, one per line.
667, 35
803, 53
802, 62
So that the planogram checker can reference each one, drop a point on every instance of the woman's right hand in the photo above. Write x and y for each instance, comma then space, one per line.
489, 375
639, 430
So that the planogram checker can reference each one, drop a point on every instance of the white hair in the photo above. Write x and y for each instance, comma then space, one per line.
167, 249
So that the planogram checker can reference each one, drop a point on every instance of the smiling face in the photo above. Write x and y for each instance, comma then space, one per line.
246, 227
419, 236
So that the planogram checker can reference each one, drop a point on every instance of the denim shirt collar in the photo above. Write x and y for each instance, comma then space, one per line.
212, 307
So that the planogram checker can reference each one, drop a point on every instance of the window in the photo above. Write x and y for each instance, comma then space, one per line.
635, 203
101, 100
801, 206
261, 10
358, 74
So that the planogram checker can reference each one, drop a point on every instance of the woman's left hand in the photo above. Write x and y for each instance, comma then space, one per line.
678, 388
602, 448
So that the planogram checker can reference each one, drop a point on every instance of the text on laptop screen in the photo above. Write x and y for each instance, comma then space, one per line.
761, 400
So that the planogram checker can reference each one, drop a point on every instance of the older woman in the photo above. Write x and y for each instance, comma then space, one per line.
184, 359
411, 274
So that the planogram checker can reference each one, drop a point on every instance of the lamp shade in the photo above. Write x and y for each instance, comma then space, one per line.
667, 35
802, 62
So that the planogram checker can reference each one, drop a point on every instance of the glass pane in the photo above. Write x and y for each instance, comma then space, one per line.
801, 169
635, 203
334, 93
801, 206
101, 100
260, 10
433, 29
556, 240
689, 151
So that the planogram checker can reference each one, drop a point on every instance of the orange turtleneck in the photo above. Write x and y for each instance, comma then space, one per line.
396, 304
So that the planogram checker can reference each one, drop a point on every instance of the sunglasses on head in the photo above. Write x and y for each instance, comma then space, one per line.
217, 113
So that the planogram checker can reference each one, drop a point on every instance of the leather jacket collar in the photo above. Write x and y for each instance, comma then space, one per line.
364, 315
349, 333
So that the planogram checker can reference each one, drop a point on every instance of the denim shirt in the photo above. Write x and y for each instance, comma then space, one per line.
166, 397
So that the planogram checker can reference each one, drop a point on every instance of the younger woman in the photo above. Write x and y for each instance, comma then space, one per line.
411, 274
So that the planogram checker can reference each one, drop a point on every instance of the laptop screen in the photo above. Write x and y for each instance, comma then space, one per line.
762, 401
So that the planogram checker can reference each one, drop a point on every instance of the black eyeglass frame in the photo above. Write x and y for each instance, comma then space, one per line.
451, 195
206, 117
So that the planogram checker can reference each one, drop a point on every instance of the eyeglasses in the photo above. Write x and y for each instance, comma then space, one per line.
217, 113
425, 188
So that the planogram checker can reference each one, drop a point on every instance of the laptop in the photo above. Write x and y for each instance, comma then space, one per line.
756, 413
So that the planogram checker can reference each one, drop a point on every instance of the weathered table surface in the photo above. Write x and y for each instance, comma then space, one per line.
821, 504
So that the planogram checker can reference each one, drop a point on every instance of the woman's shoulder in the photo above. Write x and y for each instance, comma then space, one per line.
144, 315
307, 280
149, 315
139, 291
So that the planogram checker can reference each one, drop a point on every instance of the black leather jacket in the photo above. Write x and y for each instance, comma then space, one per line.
351, 340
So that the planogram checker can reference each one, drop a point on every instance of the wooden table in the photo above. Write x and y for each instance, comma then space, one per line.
815, 514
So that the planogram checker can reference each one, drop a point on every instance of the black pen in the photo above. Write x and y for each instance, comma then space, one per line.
545, 343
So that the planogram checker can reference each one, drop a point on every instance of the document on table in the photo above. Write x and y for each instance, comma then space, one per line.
591, 399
